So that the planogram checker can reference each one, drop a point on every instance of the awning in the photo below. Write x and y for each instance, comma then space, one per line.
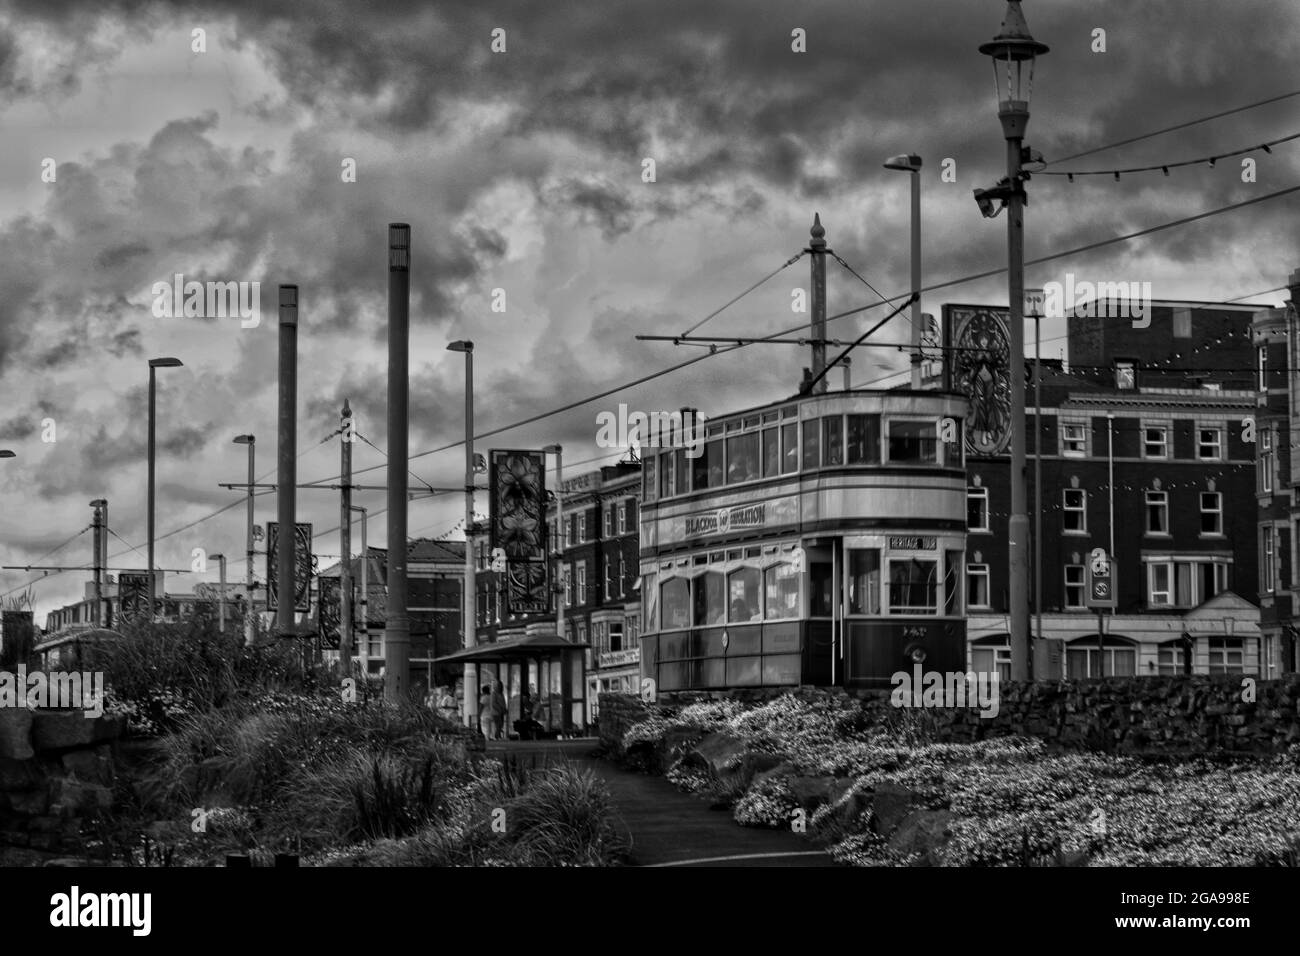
523, 648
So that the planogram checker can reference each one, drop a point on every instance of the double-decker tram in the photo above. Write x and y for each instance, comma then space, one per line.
818, 540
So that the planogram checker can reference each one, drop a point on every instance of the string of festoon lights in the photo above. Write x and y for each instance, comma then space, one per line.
1162, 167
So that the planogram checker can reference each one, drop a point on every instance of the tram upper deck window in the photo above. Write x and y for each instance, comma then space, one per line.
683, 472
742, 457
913, 586
742, 590
675, 604
781, 592
668, 475
771, 451
709, 599
913, 442
864, 581
812, 455
789, 448
650, 477
864, 439
707, 470
833, 440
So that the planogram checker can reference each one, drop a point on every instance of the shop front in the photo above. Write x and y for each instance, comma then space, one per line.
818, 541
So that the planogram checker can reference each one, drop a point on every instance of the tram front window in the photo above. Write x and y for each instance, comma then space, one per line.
912, 586
912, 441
676, 604
710, 599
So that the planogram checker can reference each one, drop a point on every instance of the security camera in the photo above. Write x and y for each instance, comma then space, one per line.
984, 197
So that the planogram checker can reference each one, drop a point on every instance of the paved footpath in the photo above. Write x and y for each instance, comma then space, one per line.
668, 827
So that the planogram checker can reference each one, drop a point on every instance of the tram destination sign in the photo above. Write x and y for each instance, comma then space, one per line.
775, 512
901, 542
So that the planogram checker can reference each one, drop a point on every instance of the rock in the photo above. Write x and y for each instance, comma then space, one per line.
74, 798
812, 792
890, 804
61, 729
924, 833
31, 803
19, 774
718, 752
16, 733
91, 766
776, 772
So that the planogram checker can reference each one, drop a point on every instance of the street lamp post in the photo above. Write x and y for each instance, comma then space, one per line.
1014, 52
251, 442
469, 595
911, 163
154, 365
363, 603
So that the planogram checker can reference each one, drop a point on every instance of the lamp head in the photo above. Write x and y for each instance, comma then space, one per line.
244, 440
167, 362
461, 345
908, 162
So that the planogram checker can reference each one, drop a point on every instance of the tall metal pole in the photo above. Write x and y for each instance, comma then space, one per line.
559, 520
103, 558
1038, 482
345, 541
1110, 480
397, 622
248, 567
153, 387
96, 616
363, 601
916, 278
221, 600
469, 589
817, 249
287, 447
1018, 525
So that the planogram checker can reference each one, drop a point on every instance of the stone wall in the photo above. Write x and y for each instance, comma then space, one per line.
1138, 715
56, 772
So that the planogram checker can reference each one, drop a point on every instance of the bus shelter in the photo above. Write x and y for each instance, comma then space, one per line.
544, 679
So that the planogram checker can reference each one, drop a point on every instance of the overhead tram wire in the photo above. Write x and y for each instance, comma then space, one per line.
789, 262
1170, 129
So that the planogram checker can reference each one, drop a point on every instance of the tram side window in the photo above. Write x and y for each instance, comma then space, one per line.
710, 606
708, 467
674, 599
667, 475
651, 605
811, 444
911, 441
864, 581
833, 440
781, 584
771, 452
742, 458
650, 487
913, 586
864, 439
742, 591
789, 448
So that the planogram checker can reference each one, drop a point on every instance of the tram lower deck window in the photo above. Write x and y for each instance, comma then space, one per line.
781, 592
864, 581
913, 586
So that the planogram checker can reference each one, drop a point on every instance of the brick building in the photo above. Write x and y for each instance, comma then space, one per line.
1163, 409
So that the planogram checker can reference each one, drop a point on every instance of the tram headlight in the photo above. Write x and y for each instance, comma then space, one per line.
916, 652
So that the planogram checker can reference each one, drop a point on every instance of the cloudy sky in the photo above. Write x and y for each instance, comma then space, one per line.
522, 170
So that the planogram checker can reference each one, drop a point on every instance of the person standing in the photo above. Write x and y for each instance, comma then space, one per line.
485, 710
497, 702
446, 703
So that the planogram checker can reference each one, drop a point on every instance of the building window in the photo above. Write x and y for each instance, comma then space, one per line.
1125, 375
582, 526
1184, 583
1268, 570
913, 586
1074, 439
1265, 474
609, 521
1170, 660
1155, 441
986, 659
1158, 575
1227, 655
1263, 367
622, 516
1074, 510
568, 585
1211, 512
1084, 659
977, 585
1157, 512
1209, 444
622, 575
743, 602
780, 592
1074, 586
977, 509
582, 582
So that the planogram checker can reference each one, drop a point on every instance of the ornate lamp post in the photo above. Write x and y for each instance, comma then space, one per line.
1014, 52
